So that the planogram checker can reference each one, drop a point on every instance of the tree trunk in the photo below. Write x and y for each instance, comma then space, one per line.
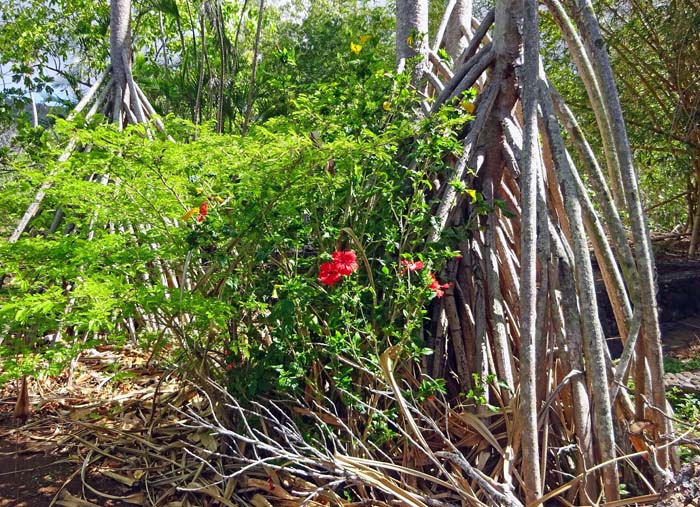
412, 37
119, 52
458, 31
516, 153
121, 99
529, 178
256, 53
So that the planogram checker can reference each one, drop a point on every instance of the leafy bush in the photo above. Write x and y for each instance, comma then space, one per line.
210, 247
673, 365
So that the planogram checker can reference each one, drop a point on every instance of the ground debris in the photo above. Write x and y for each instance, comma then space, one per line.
686, 490
118, 432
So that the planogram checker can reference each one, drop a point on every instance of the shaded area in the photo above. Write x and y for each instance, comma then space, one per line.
678, 296
678, 282
36, 472
686, 490
52, 459
30, 479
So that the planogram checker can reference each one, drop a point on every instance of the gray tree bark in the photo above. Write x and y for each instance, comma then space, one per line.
458, 32
119, 51
508, 156
530, 166
412, 37
651, 335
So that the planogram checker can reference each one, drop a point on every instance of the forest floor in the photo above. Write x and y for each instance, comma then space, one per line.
48, 459
98, 432
39, 475
121, 433
90, 443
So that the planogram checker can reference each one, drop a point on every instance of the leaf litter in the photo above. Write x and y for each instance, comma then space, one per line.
153, 438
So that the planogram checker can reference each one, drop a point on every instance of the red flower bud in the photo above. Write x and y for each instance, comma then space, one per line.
437, 287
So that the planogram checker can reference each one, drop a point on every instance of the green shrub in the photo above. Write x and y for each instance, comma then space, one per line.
279, 201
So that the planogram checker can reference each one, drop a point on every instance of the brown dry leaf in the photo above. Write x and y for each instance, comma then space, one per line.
637, 500
80, 414
476, 423
214, 492
46, 447
135, 499
373, 464
260, 501
128, 481
638, 432
131, 421
298, 484
208, 441
68, 500
183, 397
640, 427
638, 443
230, 487
378, 480
326, 418
269, 487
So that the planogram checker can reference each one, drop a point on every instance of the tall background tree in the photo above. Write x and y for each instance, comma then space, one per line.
657, 95
661, 95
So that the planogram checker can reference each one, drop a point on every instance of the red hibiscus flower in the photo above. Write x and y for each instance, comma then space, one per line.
345, 262
411, 266
329, 273
437, 287
202, 211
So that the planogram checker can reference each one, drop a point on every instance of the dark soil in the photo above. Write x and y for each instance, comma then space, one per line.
36, 472
30, 479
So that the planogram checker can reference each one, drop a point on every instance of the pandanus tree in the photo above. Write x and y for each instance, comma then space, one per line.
523, 306
119, 97
518, 325
116, 96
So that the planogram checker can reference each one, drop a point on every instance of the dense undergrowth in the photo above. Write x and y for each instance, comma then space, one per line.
207, 250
